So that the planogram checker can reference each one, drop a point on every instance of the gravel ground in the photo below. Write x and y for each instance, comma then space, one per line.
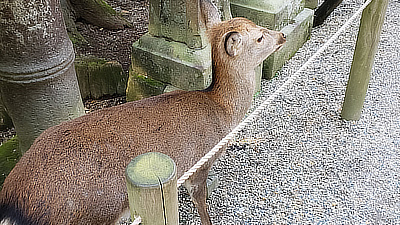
300, 163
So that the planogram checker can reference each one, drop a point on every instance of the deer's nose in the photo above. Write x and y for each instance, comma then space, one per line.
281, 38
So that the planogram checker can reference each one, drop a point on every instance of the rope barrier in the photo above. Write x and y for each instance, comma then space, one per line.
255, 114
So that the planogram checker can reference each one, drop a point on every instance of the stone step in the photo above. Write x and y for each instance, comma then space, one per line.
297, 33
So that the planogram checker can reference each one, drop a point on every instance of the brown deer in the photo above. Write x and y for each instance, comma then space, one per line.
74, 172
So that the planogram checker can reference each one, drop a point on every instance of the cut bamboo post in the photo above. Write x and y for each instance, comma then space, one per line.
152, 189
367, 43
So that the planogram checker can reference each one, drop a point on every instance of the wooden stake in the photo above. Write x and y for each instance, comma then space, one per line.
152, 191
364, 54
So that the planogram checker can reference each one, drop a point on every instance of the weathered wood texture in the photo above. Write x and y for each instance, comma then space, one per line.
152, 191
364, 54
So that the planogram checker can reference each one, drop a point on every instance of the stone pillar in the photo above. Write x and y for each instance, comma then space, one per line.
287, 16
175, 53
311, 4
5, 120
38, 85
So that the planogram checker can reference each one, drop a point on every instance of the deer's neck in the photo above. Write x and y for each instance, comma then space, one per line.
232, 88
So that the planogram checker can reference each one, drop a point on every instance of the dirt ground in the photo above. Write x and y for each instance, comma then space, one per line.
115, 44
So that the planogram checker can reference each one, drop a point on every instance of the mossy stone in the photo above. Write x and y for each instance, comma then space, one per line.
267, 13
140, 87
297, 33
311, 4
98, 77
158, 62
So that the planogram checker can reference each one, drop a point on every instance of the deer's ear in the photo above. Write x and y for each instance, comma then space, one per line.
209, 13
233, 43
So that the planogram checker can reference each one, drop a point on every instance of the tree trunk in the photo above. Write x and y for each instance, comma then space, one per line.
96, 12
69, 15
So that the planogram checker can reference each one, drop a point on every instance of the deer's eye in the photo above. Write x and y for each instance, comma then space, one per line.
260, 39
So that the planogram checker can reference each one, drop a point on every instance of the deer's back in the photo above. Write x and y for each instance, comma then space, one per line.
76, 170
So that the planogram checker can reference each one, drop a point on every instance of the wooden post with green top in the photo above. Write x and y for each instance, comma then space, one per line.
364, 54
152, 189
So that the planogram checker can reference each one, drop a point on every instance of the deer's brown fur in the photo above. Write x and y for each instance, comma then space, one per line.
74, 172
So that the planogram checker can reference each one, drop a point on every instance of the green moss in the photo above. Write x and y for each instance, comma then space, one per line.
149, 81
98, 77
9, 156
90, 60
107, 8
76, 38
140, 86
171, 63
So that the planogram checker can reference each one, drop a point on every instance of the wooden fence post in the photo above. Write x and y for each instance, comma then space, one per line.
152, 189
367, 43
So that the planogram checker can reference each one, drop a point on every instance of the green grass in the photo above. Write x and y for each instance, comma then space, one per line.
9, 156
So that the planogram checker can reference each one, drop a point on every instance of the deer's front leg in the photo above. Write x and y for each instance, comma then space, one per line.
197, 188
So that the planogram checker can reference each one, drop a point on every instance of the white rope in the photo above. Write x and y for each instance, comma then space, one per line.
290, 81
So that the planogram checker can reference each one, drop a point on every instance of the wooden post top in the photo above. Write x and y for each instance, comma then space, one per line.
150, 170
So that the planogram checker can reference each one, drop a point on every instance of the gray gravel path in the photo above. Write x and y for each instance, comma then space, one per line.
300, 163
